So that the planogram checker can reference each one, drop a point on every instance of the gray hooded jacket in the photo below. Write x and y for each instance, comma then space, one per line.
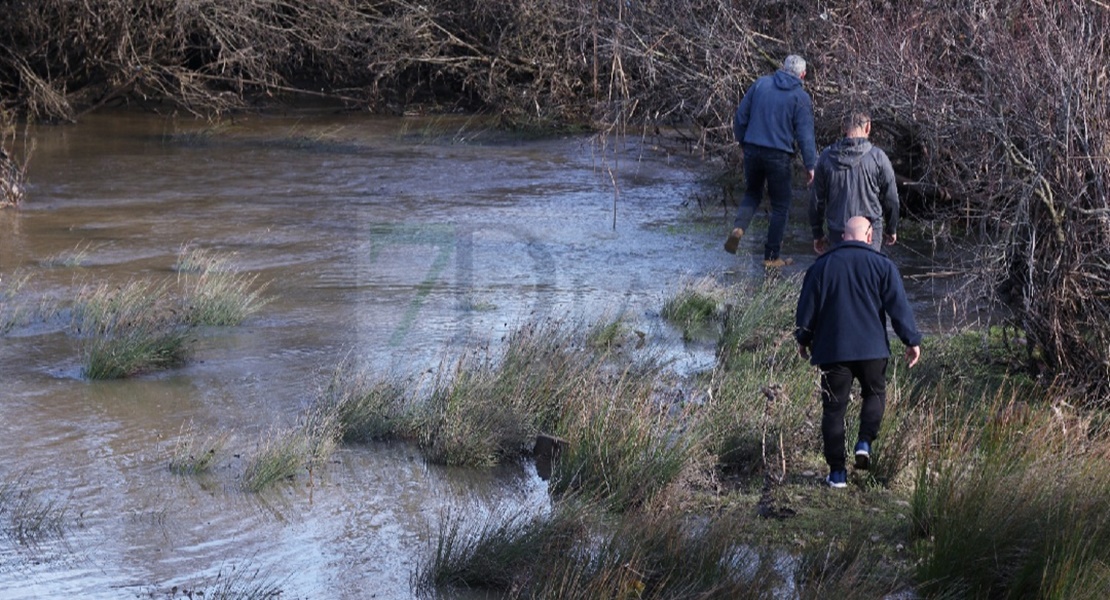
853, 178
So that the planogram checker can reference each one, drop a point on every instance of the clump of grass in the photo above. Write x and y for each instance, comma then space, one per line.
696, 307
213, 294
762, 415
758, 320
624, 445
193, 455
484, 409
280, 455
578, 550
129, 329
1037, 476
192, 259
496, 551
367, 407
235, 582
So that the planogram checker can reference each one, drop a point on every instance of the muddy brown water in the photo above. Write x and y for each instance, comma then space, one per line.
388, 240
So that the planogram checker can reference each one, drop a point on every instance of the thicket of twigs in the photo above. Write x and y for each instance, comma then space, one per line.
994, 111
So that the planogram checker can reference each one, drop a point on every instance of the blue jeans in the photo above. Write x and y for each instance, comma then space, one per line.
836, 388
770, 168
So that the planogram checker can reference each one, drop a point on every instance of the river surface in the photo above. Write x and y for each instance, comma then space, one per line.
390, 240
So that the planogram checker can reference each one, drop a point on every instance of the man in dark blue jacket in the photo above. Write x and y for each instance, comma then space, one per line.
775, 114
846, 298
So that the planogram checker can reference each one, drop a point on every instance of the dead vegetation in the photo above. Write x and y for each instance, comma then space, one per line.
993, 111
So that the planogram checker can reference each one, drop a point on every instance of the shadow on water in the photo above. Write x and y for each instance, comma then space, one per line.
393, 240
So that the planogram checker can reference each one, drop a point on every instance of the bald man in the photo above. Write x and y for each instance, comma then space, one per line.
847, 296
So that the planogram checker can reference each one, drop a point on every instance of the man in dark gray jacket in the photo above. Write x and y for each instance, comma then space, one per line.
853, 177
846, 297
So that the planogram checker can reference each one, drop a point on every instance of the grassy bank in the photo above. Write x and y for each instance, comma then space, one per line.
712, 487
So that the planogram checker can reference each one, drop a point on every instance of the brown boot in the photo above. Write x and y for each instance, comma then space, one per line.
733, 241
777, 263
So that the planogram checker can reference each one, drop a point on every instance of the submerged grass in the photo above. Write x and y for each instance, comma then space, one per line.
283, 453
194, 455
76, 257
27, 517
697, 307
234, 582
280, 455
12, 311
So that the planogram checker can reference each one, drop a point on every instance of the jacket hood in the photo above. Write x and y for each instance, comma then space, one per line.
848, 152
786, 81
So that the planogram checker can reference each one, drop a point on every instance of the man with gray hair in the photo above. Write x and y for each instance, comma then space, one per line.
854, 177
774, 119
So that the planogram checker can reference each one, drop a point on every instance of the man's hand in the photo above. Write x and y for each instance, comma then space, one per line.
913, 354
890, 238
821, 245
803, 352
810, 182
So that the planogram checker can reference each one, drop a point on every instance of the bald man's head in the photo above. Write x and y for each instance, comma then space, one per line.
858, 229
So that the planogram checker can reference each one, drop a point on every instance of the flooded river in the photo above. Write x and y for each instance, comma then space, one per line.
390, 240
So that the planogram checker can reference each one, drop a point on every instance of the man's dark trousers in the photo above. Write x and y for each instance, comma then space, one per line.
770, 167
836, 388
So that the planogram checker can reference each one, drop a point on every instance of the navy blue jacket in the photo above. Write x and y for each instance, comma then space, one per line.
846, 297
776, 112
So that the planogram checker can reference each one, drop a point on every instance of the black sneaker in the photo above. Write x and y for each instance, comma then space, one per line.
863, 455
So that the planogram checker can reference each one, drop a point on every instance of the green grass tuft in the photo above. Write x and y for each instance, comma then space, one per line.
367, 407
213, 294
129, 329
696, 308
